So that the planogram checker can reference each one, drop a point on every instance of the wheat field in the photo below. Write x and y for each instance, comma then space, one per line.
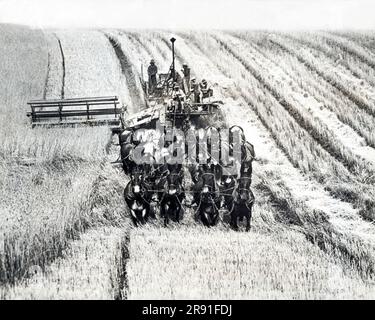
305, 100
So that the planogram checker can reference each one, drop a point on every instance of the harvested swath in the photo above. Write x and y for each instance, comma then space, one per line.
315, 86
336, 54
91, 65
333, 80
366, 39
291, 98
351, 47
132, 77
358, 78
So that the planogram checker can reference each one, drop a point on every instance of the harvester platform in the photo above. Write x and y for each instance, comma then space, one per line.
90, 111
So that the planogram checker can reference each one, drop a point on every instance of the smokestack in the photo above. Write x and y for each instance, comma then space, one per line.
173, 65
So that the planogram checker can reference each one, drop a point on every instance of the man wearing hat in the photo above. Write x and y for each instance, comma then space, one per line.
152, 71
194, 90
179, 97
205, 89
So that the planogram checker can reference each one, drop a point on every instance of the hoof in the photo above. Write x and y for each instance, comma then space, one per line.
235, 228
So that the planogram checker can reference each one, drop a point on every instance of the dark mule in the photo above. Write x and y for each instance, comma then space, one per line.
206, 195
228, 184
172, 197
243, 203
128, 163
136, 195
126, 136
150, 184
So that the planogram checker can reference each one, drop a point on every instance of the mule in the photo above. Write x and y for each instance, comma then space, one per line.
126, 136
172, 197
135, 195
128, 164
206, 195
243, 203
228, 184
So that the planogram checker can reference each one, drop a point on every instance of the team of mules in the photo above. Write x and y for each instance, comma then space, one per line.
153, 185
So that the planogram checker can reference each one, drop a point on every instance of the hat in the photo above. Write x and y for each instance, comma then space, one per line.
204, 81
152, 61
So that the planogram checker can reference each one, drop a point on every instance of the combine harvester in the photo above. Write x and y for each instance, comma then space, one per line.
172, 103
106, 111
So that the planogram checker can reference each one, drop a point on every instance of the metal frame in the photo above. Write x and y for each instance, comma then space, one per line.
75, 111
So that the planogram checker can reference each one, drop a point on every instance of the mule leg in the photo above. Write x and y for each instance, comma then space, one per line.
135, 221
162, 210
248, 226
178, 209
234, 222
145, 219
166, 220
250, 213
166, 217
152, 210
248, 218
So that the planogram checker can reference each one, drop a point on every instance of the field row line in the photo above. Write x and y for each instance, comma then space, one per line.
329, 97
358, 101
279, 84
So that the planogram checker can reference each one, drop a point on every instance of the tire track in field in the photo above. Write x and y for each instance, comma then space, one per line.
352, 97
320, 137
63, 67
47, 76
138, 102
122, 273
323, 233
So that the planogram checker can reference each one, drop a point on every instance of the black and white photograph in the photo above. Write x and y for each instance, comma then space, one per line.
198, 150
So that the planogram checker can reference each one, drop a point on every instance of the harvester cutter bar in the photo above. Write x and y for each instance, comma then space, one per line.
90, 110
